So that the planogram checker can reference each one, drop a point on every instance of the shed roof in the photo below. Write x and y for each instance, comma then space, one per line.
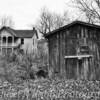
71, 24
20, 33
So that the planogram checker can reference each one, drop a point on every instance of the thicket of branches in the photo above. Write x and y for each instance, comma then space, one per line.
22, 66
49, 21
90, 9
6, 21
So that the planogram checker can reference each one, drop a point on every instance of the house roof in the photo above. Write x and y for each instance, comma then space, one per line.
21, 33
71, 24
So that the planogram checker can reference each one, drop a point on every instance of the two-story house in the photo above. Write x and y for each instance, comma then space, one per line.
11, 40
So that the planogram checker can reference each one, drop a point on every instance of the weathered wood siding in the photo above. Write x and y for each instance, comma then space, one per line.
71, 49
83, 36
75, 40
54, 54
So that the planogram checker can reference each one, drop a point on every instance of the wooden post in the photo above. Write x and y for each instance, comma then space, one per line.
6, 43
12, 44
1, 44
85, 67
91, 69
77, 70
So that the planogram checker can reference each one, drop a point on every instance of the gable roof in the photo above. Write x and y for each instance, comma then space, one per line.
20, 33
71, 24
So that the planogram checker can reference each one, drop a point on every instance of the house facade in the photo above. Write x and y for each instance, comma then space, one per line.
11, 40
74, 51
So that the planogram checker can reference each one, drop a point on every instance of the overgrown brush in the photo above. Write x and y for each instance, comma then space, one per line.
19, 66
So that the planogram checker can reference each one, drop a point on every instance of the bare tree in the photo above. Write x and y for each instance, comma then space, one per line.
49, 21
90, 8
6, 21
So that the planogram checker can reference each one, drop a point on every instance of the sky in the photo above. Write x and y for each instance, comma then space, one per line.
26, 12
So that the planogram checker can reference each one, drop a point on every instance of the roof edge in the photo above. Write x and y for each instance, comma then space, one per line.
10, 30
13, 31
69, 25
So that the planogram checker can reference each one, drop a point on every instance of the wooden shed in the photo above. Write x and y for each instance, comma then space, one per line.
74, 51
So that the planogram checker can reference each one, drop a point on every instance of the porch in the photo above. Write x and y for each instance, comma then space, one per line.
7, 44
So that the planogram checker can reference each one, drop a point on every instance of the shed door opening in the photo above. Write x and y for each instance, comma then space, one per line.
71, 68
77, 66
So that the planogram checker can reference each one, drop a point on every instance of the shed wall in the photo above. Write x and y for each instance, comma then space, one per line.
76, 40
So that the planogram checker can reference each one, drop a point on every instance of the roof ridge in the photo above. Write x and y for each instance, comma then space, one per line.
20, 33
72, 23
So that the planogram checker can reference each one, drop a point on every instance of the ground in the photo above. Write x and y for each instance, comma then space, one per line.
51, 89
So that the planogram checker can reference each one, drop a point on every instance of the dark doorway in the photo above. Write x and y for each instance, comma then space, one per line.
80, 64
71, 66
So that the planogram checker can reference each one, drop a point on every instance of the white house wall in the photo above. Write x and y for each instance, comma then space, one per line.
27, 46
18, 41
35, 40
30, 44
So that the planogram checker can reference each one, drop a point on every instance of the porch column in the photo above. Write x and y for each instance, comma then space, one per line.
6, 44
1, 45
12, 44
77, 70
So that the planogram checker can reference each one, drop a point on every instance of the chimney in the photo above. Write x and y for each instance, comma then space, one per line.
34, 29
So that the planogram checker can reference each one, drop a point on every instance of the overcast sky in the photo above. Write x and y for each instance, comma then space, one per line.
26, 12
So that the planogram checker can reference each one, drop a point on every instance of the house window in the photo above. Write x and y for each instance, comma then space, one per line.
22, 41
9, 39
4, 39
